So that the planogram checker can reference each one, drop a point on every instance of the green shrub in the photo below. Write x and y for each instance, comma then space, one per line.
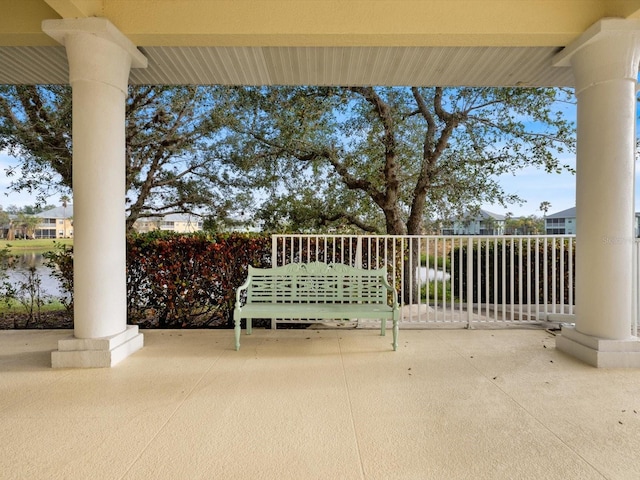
180, 280
430, 288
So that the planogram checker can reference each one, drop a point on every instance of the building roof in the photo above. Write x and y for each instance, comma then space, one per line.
484, 214
568, 213
181, 217
57, 212
481, 215
172, 217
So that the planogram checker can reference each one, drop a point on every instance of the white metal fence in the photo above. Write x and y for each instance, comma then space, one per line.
456, 280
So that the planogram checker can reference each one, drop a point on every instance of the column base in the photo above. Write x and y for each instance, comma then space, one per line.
97, 352
599, 352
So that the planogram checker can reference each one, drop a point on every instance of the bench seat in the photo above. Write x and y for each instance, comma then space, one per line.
312, 311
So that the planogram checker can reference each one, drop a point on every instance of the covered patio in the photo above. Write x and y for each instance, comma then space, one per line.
100, 46
319, 404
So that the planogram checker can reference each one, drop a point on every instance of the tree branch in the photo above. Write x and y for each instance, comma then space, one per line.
326, 219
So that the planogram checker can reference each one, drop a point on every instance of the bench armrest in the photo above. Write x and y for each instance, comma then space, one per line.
394, 294
242, 287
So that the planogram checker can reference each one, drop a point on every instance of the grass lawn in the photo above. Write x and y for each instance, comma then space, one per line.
37, 245
14, 306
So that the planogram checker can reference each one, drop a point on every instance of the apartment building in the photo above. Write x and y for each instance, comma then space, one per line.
55, 223
175, 222
484, 223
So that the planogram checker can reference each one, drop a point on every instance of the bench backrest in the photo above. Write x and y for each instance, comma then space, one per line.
317, 282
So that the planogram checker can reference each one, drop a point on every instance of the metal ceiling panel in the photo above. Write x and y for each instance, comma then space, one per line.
33, 65
417, 66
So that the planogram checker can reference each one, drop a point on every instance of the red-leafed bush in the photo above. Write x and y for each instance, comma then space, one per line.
185, 280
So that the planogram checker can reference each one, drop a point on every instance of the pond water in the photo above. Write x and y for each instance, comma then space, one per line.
18, 270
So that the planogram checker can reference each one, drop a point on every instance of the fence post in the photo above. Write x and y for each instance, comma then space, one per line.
274, 250
470, 282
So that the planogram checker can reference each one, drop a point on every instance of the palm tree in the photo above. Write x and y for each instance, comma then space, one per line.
544, 208
28, 224
64, 200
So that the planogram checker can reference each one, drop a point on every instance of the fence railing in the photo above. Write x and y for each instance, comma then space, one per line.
456, 279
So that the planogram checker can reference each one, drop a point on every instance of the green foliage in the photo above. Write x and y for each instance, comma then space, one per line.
35, 127
179, 280
434, 290
346, 159
27, 292
189, 280
60, 261
387, 159
437, 262
171, 148
6, 289
530, 225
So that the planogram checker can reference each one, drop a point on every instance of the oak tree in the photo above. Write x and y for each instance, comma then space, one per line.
170, 164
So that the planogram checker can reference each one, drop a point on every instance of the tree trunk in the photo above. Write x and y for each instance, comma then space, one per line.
411, 257
410, 291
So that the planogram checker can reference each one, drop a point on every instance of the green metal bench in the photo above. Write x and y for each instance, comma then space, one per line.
312, 291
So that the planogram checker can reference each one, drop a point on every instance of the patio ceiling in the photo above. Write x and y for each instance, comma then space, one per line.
322, 42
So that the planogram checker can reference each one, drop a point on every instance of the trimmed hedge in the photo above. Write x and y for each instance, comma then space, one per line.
182, 280
178, 280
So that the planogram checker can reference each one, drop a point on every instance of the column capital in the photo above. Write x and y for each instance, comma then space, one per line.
608, 50
97, 51
99, 27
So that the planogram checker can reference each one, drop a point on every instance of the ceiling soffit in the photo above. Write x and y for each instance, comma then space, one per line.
327, 42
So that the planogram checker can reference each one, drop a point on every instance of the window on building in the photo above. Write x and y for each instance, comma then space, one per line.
45, 233
555, 221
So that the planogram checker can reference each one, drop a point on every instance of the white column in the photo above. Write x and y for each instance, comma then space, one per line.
100, 58
605, 64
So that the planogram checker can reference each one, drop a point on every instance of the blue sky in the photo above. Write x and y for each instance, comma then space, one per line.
536, 186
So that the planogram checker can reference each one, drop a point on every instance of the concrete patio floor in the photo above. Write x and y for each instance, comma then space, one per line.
318, 404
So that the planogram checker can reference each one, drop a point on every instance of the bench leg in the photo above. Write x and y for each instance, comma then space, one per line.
236, 328
383, 327
395, 332
249, 325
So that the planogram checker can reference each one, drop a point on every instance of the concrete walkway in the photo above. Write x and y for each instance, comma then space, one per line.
318, 404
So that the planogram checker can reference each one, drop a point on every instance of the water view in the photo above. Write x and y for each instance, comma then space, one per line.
18, 267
